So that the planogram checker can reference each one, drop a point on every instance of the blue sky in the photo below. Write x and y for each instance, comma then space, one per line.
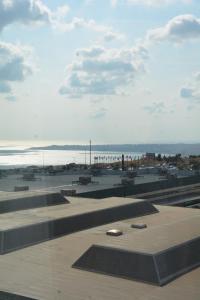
123, 71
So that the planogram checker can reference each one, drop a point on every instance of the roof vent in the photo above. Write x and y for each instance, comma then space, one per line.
114, 232
139, 226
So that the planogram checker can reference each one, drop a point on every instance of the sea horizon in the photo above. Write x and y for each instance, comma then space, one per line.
44, 153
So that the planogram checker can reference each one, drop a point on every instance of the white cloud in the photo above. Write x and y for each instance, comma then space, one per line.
99, 113
100, 71
11, 98
37, 13
197, 76
158, 108
61, 12
190, 93
4, 87
157, 2
23, 11
155, 108
78, 23
14, 65
149, 2
191, 90
91, 52
31, 12
111, 36
179, 29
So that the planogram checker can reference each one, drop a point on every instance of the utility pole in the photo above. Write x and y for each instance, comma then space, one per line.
43, 160
85, 157
123, 165
90, 153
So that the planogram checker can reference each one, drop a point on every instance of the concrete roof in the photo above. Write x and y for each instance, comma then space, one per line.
159, 238
8, 196
58, 182
44, 271
76, 206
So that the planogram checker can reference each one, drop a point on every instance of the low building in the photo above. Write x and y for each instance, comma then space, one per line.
150, 155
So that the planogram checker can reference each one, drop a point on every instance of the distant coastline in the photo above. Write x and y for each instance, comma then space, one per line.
184, 149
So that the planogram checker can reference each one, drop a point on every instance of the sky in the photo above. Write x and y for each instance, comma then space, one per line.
114, 71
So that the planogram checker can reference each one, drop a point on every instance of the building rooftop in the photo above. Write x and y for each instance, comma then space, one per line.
58, 182
44, 270
76, 206
185, 195
13, 201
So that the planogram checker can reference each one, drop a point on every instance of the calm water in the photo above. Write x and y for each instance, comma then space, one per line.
17, 155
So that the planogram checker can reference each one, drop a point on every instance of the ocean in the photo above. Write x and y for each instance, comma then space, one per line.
18, 155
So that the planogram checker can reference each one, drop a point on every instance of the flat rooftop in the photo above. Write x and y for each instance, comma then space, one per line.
58, 182
185, 195
158, 238
13, 201
44, 271
77, 206
22, 228
9, 196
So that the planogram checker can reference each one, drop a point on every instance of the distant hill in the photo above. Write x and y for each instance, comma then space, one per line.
184, 149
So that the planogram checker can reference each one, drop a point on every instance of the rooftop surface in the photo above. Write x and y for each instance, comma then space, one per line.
158, 238
180, 196
7, 196
77, 206
44, 271
58, 182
